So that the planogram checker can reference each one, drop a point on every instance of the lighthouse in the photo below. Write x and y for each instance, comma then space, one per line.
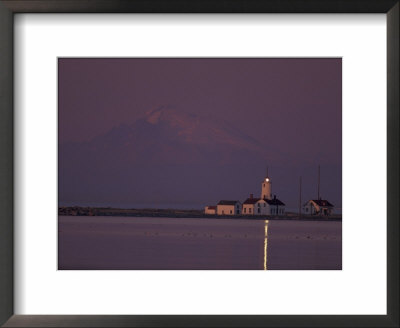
266, 188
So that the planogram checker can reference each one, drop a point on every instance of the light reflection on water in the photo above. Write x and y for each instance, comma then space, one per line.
265, 244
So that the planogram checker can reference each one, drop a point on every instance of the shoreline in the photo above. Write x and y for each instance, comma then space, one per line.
176, 213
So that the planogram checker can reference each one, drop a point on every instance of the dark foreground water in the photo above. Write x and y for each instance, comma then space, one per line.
118, 243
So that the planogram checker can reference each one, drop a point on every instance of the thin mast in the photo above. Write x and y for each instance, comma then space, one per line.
300, 199
319, 173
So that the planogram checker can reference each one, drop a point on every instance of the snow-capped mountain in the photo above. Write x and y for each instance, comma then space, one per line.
167, 153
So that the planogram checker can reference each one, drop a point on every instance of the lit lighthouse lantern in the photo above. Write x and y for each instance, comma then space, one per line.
266, 189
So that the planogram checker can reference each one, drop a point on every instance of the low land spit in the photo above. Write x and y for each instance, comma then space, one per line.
178, 213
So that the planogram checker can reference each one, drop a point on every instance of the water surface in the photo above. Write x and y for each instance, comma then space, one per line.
118, 243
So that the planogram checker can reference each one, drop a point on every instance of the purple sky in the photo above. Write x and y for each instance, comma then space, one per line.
293, 106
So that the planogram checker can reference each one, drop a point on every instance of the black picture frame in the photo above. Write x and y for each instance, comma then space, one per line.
10, 7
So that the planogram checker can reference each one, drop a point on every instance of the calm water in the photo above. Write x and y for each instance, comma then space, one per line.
166, 243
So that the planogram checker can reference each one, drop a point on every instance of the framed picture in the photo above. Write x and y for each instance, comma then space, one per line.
161, 164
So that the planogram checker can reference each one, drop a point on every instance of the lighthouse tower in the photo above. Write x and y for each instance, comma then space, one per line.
266, 188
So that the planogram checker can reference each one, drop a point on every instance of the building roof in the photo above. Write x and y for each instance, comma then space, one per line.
322, 202
251, 200
274, 201
228, 202
211, 207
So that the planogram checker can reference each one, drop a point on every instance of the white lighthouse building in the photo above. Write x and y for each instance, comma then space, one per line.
266, 188
266, 204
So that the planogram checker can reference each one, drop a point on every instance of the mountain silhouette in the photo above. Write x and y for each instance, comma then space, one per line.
167, 156
173, 137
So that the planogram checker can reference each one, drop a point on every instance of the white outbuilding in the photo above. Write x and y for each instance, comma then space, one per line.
210, 210
318, 207
229, 207
249, 205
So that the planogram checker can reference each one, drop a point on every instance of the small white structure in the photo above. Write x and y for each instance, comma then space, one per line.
318, 207
210, 210
229, 207
249, 205
255, 206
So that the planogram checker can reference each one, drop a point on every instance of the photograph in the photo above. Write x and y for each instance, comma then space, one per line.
199, 163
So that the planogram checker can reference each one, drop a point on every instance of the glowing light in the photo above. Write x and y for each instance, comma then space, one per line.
267, 179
